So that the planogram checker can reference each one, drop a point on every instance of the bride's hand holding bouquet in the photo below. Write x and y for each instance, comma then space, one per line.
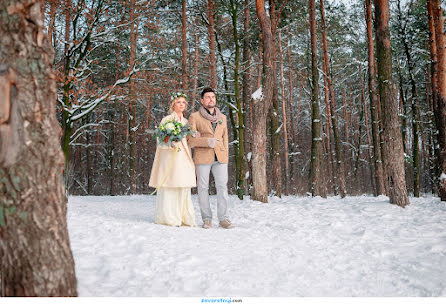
171, 132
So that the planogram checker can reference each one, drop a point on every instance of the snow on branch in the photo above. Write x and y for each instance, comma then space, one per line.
93, 105
80, 130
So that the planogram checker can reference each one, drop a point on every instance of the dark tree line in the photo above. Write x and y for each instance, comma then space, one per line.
323, 96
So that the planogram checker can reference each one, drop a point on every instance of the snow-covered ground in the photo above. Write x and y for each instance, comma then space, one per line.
294, 246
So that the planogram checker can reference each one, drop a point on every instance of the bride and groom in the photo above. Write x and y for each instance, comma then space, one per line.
175, 171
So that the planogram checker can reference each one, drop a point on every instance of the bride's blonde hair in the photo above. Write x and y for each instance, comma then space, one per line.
174, 97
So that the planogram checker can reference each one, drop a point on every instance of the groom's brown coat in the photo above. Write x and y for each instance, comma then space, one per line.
202, 154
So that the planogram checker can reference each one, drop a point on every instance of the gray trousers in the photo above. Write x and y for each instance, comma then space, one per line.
220, 173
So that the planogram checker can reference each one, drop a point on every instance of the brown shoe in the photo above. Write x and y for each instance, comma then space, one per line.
226, 224
207, 224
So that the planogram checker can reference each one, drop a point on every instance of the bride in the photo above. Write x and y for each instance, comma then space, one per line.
173, 174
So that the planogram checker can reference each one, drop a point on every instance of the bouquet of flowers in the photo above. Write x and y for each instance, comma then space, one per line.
172, 131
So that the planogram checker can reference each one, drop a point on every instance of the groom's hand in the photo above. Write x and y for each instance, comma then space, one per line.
212, 142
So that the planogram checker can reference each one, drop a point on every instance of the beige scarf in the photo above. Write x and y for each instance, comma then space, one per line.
212, 118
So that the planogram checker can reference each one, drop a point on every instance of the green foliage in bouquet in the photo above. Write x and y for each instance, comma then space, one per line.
171, 131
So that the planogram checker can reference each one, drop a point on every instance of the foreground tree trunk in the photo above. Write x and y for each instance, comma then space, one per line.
317, 186
262, 102
440, 102
35, 254
393, 148
377, 159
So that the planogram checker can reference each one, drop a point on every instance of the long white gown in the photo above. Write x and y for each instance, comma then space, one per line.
173, 175
174, 207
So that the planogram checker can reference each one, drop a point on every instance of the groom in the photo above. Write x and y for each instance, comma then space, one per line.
211, 154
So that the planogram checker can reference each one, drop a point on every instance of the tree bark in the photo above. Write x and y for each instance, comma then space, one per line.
393, 149
377, 159
435, 119
440, 106
317, 187
35, 254
261, 107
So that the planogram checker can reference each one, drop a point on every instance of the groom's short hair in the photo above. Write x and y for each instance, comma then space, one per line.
207, 90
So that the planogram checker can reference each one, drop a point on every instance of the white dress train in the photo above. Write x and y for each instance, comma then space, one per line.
174, 207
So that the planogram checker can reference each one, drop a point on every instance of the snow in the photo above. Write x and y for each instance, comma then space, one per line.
442, 176
248, 156
258, 94
294, 246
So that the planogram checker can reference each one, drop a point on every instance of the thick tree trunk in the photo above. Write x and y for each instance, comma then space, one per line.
377, 158
261, 106
35, 254
441, 93
212, 56
317, 187
393, 148
435, 120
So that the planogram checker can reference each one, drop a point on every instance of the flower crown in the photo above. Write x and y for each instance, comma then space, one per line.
176, 95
